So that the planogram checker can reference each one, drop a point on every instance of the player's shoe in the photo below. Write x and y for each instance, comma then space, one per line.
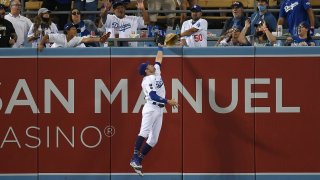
134, 163
137, 167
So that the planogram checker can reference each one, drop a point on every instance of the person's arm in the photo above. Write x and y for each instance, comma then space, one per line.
242, 36
159, 54
43, 42
270, 37
183, 16
101, 39
154, 96
145, 14
189, 32
311, 18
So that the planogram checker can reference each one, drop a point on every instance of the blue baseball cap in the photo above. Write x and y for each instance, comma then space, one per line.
196, 8
69, 25
142, 68
237, 4
117, 3
239, 27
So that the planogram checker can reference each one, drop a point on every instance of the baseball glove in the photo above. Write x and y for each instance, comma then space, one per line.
171, 39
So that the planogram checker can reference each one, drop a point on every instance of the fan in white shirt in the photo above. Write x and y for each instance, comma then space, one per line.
194, 31
123, 26
69, 38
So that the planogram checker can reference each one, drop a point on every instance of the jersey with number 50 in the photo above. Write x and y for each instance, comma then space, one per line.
199, 38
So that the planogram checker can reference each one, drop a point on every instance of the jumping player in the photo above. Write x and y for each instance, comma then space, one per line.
152, 112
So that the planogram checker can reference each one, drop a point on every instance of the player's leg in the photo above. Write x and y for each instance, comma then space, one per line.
146, 126
154, 134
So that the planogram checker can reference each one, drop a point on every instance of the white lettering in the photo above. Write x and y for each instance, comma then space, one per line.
249, 95
212, 97
33, 137
10, 131
279, 107
50, 87
59, 131
22, 85
99, 139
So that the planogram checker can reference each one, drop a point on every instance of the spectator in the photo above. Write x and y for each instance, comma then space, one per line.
156, 5
238, 17
87, 5
263, 14
59, 5
231, 37
184, 5
42, 25
303, 38
69, 38
122, 26
8, 35
194, 31
296, 11
262, 35
20, 23
83, 25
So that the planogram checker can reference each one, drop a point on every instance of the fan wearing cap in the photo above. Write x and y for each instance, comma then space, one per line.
20, 23
238, 19
69, 38
152, 112
194, 31
295, 12
42, 25
303, 38
231, 37
121, 25
7, 33
262, 35
263, 14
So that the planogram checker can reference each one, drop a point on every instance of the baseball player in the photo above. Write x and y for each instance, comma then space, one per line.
69, 38
152, 112
194, 31
123, 26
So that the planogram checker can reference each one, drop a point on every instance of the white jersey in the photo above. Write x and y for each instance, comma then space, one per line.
127, 26
60, 40
51, 30
153, 83
22, 25
199, 38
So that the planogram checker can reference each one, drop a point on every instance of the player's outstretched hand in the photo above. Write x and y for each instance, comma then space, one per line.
140, 5
173, 103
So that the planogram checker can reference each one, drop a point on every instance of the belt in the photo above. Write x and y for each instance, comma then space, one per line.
158, 104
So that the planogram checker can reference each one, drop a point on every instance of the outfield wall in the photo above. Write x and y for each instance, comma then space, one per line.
246, 113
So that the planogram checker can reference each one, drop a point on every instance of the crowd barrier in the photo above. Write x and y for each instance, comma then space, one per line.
247, 113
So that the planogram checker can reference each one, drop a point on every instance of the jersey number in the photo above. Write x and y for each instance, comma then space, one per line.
198, 37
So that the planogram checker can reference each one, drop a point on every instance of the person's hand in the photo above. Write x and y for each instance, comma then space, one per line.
173, 103
12, 41
140, 5
303, 44
247, 23
311, 31
40, 47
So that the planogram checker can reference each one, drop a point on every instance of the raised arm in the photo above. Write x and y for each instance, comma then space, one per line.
159, 54
42, 42
145, 14
101, 39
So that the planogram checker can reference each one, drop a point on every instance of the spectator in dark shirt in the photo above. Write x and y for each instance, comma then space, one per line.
7, 33
263, 15
238, 17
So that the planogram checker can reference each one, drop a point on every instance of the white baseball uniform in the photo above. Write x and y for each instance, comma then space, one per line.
126, 26
51, 30
199, 38
60, 40
152, 114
